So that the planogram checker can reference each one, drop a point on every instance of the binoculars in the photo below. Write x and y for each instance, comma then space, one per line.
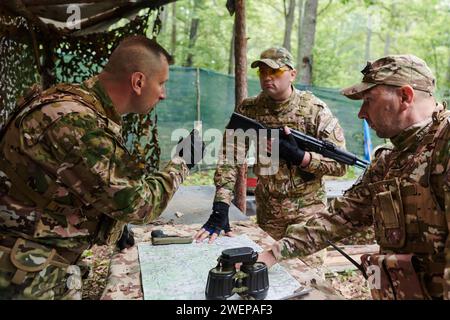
252, 281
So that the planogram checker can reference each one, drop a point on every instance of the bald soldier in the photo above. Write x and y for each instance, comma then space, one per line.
296, 191
405, 193
66, 179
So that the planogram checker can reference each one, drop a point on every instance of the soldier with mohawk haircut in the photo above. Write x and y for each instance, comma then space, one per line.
66, 179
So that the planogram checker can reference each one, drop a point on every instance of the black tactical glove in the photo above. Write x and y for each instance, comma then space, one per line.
191, 149
218, 220
127, 238
289, 150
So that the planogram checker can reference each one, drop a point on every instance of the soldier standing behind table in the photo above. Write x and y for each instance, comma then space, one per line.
296, 191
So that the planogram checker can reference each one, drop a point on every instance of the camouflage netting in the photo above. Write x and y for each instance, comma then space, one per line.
74, 60
18, 70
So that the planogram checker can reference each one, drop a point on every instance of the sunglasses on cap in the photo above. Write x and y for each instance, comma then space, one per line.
264, 72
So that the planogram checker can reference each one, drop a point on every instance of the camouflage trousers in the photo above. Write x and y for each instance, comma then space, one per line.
275, 214
30, 271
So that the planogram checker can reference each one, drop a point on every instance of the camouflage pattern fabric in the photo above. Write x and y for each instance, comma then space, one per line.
124, 279
291, 195
275, 58
66, 146
394, 70
405, 194
399, 280
32, 271
51, 283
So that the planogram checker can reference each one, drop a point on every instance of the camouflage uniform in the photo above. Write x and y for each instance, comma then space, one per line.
292, 194
405, 193
66, 182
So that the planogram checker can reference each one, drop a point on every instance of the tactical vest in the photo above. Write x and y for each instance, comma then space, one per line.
407, 215
101, 228
289, 181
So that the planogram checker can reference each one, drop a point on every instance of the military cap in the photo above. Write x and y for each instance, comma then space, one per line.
275, 58
394, 70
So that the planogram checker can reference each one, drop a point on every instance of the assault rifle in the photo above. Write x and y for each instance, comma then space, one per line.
307, 143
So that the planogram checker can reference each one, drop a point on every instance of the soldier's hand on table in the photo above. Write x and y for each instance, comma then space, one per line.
191, 149
217, 222
267, 257
290, 151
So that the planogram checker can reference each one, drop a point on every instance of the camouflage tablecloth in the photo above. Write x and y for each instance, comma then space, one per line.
124, 279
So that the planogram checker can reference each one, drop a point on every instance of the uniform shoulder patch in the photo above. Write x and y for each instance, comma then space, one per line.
308, 96
319, 102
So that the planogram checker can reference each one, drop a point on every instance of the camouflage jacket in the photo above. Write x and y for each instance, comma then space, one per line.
405, 194
303, 112
66, 146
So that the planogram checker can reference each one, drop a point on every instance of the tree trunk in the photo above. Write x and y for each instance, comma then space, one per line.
231, 59
447, 93
390, 36
387, 44
301, 10
192, 39
307, 37
193, 32
368, 37
448, 67
289, 15
240, 45
173, 39
163, 17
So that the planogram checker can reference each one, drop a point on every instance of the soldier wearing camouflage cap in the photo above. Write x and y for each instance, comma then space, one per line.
395, 71
67, 180
295, 192
404, 194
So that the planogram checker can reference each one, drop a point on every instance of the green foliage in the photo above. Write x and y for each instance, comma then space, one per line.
87, 253
402, 26
351, 174
346, 275
200, 178
206, 177
417, 27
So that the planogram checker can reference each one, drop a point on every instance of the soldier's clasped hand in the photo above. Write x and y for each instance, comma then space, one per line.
191, 149
289, 150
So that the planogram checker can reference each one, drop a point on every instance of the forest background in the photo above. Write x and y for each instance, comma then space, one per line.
332, 38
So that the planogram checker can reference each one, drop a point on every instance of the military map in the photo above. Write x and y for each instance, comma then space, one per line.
180, 271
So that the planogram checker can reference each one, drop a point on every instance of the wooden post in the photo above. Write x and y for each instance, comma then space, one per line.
240, 54
199, 113
197, 87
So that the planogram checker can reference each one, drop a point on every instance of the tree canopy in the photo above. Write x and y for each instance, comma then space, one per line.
347, 33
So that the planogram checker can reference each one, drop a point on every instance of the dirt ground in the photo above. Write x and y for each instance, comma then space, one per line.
98, 259
350, 284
